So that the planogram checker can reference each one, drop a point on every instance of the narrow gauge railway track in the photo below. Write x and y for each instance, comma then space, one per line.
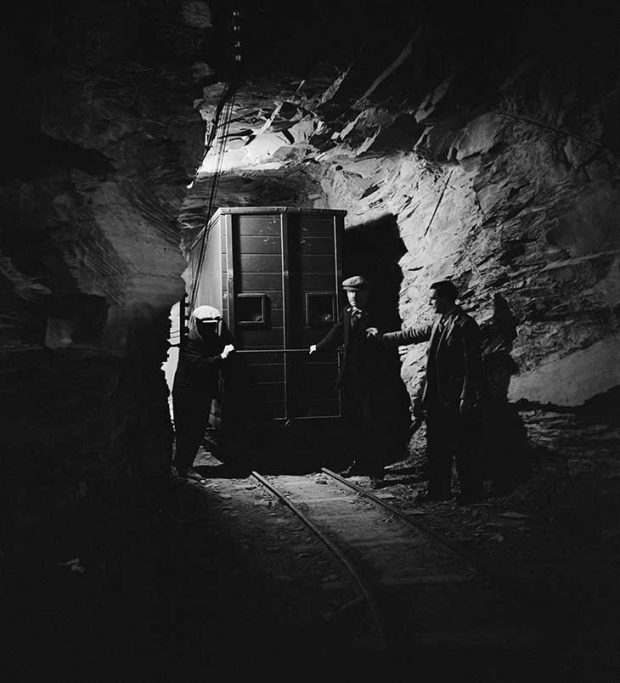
409, 576
363, 586
423, 608
495, 576
418, 526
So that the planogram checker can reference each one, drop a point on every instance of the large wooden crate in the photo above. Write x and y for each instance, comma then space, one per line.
275, 274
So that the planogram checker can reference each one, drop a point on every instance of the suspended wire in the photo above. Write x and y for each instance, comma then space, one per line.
215, 179
212, 191
225, 106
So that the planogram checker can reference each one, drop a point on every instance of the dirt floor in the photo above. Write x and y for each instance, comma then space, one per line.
219, 579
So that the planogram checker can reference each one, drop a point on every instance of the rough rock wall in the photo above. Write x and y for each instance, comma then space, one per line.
510, 211
102, 142
487, 134
490, 138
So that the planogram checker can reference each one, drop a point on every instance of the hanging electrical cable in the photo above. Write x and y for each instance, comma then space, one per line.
224, 111
214, 182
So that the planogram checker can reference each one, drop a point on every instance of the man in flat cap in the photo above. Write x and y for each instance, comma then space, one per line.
375, 399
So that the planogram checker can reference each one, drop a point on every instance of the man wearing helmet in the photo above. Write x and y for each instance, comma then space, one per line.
201, 357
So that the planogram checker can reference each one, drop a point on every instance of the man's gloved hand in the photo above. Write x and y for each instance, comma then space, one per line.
228, 349
372, 332
312, 349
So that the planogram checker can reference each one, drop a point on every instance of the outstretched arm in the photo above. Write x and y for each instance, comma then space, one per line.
194, 355
333, 339
410, 335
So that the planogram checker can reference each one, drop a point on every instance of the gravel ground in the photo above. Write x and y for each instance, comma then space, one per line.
221, 580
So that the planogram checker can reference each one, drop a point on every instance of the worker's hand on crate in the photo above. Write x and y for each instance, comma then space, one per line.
228, 349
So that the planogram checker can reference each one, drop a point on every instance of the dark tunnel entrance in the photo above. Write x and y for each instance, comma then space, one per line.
373, 249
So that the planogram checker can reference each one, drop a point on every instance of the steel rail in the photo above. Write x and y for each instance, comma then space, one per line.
461, 554
363, 586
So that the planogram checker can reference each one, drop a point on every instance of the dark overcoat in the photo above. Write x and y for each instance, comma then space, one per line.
198, 367
376, 401
359, 356
453, 357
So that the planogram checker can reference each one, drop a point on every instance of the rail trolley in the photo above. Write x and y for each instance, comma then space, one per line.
275, 274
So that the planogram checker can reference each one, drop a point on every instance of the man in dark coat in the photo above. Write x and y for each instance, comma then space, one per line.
201, 357
451, 392
374, 398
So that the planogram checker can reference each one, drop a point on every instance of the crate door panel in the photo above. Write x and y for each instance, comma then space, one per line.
258, 306
258, 310
313, 311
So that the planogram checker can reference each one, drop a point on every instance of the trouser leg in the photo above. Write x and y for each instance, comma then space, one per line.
370, 454
364, 434
439, 450
353, 428
354, 442
191, 416
371, 448
467, 455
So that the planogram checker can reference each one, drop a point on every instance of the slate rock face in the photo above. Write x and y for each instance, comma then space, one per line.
497, 163
98, 155
521, 225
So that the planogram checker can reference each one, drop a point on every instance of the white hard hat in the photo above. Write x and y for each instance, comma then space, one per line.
206, 313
